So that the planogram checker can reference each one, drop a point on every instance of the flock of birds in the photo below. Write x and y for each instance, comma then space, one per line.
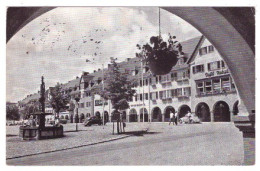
52, 33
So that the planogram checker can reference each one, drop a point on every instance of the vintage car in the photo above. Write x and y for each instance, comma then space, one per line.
193, 119
93, 120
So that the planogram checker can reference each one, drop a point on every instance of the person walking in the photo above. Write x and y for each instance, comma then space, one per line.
189, 116
176, 118
171, 118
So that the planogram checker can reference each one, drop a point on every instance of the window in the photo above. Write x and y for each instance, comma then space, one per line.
208, 86
161, 94
140, 83
203, 51
156, 79
226, 86
179, 91
216, 65
134, 72
146, 96
146, 81
216, 86
173, 92
160, 78
135, 97
141, 97
211, 48
198, 68
154, 95
168, 94
200, 88
186, 91
174, 76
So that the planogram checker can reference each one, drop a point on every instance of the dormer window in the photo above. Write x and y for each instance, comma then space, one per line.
203, 51
134, 72
145, 69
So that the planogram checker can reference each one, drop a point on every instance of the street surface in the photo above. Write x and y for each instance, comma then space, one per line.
198, 144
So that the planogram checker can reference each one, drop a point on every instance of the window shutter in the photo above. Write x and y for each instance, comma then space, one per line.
209, 66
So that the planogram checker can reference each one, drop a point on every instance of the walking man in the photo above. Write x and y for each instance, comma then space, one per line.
176, 118
171, 118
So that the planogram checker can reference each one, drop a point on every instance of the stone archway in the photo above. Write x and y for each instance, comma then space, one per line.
233, 37
81, 118
221, 112
145, 112
98, 114
115, 116
156, 114
183, 110
167, 111
203, 112
133, 115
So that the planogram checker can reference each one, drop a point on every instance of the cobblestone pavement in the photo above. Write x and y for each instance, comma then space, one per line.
16, 147
195, 144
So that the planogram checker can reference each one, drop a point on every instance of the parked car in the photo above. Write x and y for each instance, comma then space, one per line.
93, 120
193, 119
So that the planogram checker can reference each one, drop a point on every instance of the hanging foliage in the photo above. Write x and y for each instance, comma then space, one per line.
159, 55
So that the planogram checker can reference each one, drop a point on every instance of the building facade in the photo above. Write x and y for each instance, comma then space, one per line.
200, 83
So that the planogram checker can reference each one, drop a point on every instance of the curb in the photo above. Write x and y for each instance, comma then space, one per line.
69, 148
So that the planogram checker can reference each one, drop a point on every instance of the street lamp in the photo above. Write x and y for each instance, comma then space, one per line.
103, 99
77, 114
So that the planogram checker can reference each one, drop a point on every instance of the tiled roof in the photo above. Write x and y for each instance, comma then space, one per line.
71, 84
128, 66
30, 97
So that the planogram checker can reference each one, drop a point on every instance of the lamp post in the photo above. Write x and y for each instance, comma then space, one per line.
103, 100
142, 75
77, 113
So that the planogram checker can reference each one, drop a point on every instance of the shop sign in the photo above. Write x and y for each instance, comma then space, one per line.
216, 73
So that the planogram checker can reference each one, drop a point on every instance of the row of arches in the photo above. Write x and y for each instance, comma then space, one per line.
221, 112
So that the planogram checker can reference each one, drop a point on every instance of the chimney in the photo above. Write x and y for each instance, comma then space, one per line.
99, 69
95, 71
77, 77
108, 65
128, 59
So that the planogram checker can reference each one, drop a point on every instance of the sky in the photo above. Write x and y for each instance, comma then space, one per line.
58, 43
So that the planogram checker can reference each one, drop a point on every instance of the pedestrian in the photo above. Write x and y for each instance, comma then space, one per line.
189, 116
171, 118
176, 118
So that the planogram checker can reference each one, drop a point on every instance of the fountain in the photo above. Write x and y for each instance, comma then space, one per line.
41, 131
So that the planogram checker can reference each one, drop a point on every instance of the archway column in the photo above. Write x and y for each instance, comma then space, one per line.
212, 116
163, 117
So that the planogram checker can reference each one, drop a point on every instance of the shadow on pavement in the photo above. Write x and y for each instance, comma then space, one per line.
138, 133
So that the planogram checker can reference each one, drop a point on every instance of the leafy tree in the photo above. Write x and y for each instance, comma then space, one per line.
118, 88
58, 100
31, 107
12, 112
